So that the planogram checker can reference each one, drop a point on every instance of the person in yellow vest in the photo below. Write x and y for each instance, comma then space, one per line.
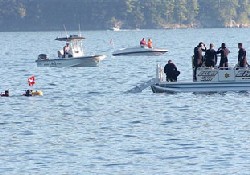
150, 44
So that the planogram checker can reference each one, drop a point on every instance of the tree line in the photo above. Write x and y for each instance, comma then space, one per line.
40, 15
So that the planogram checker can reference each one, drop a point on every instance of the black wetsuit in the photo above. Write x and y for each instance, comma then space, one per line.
224, 53
198, 59
242, 57
211, 58
171, 72
198, 56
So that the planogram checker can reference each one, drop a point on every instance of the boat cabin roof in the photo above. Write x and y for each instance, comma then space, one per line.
70, 38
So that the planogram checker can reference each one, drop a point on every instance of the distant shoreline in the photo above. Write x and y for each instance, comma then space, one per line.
123, 29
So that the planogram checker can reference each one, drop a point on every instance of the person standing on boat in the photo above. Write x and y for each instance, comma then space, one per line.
198, 58
150, 43
210, 56
66, 50
242, 56
223, 51
143, 42
171, 71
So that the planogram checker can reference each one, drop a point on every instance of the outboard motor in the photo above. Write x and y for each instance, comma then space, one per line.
42, 57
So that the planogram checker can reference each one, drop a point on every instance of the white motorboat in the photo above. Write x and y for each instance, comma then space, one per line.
139, 51
208, 80
74, 58
116, 28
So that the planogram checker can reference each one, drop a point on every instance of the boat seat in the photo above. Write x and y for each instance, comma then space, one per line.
42, 57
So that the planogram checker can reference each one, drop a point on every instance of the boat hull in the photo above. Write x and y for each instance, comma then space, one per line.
172, 87
85, 61
139, 51
207, 80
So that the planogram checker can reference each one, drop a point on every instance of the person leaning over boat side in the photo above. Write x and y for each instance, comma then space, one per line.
143, 42
223, 51
66, 50
210, 56
171, 71
150, 43
198, 58
242, 56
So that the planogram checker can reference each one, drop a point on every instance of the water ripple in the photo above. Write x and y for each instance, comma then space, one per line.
86, 123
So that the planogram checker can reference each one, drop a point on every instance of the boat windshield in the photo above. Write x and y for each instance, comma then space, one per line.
70, 38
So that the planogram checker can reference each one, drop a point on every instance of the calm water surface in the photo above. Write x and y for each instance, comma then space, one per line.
87, 122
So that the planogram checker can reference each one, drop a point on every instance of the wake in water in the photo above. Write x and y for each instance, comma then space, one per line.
140, 87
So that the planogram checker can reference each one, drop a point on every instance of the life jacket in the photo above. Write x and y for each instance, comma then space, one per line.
150, 44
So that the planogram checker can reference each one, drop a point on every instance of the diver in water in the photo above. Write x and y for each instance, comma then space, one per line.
28, 93
5, 94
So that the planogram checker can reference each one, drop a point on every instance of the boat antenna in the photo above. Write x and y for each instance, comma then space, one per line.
80, 30
65, 30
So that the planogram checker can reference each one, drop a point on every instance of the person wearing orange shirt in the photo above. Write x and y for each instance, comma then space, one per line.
150, 44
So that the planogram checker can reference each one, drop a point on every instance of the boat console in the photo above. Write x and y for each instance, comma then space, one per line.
227, 74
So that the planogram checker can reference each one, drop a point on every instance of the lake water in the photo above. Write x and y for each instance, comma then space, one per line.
87, 122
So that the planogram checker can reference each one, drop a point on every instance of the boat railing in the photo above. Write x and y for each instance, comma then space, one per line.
159, 73
223, 68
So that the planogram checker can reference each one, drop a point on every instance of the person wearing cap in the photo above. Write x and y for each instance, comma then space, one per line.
242, 56
66, 50
171, 71
198, 58
223, 51
210, 56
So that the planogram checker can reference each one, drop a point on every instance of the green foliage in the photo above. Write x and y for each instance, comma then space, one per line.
105, 14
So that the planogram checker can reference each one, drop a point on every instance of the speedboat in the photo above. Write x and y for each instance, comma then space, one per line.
116, 28
208, 80
74, 58
139, 51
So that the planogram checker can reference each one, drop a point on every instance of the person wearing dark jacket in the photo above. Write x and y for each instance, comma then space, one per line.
242, 56
171, 71
198, 58
223, 51
210, 56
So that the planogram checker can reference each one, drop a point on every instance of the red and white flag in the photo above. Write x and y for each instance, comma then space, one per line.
31, 80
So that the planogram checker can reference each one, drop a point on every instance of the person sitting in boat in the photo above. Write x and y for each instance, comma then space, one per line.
198, 57
66, 50
242, 56
150, 43
223, 51
143, 42
5, 94
171, 71
210, 56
